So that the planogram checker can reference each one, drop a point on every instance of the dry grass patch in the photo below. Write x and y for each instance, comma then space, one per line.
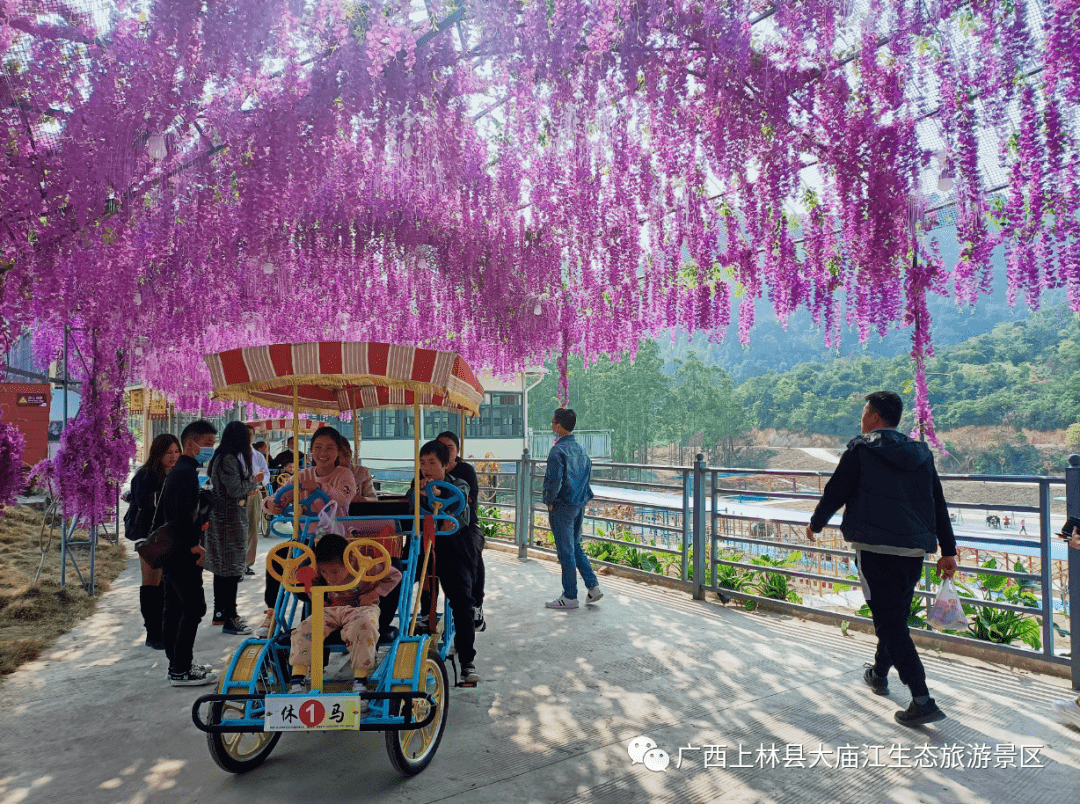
33, 616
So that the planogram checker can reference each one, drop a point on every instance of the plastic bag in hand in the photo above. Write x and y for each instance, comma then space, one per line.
946, 613
328, 522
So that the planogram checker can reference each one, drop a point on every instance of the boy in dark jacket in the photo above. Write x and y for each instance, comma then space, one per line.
456, 551
894, 514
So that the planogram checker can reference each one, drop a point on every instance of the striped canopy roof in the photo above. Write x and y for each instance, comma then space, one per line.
334, 377
266, 425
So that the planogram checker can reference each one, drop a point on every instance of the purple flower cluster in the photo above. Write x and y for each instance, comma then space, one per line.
11, 467
196, 177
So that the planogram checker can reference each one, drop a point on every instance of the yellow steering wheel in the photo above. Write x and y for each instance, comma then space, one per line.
363, 564
283, 566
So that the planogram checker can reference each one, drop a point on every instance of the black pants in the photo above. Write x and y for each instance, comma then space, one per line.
185, 605
388, 604
478, 580
478, 569
272, 587
455, 567
225, 596
892, 581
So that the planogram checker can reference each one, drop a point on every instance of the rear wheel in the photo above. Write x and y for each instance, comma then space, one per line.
412, 750
240, 752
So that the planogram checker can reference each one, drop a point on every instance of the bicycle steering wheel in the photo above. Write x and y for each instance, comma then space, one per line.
307, 502
284, 566
451, 498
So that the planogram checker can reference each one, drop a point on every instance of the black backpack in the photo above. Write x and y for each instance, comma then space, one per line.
131, 517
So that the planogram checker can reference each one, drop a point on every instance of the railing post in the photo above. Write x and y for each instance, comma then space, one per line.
1047, 581
699, 527
523, 503
686, 573
1072, 509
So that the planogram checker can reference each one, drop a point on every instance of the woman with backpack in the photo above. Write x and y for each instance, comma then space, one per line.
143, 518
226, 537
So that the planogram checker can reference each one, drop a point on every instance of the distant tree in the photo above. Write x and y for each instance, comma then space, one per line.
1072, 437
703, 401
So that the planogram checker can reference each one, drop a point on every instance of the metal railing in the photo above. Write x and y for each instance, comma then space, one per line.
596, 443
690, 519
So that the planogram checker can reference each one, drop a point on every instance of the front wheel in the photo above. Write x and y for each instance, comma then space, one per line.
412, 750
240, 752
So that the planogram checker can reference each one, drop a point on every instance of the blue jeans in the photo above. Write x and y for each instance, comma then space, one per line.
566, 527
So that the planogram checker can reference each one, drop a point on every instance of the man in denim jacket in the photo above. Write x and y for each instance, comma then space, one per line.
566, 491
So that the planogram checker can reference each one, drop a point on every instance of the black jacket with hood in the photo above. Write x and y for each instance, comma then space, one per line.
891, 495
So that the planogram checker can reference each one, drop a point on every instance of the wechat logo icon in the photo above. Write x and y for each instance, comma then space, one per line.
643, 751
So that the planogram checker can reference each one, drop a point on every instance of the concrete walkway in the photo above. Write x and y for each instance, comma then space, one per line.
765, 708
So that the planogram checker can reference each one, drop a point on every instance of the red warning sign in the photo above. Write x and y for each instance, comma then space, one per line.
32, 401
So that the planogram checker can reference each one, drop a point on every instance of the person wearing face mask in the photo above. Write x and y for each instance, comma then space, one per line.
185, 603
146, 488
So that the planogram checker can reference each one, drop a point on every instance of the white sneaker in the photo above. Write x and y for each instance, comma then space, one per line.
595, 594
562, 602
263, 631
361, 685
192, 678
1069, 711
298, 687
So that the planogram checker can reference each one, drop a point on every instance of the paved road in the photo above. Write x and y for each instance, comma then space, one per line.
563, 696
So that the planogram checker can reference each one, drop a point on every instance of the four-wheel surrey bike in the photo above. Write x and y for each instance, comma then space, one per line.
408, 694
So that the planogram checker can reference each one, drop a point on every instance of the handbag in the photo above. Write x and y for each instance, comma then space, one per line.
156, 548
946, 613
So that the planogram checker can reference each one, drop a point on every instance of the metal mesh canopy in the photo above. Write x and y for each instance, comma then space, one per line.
332, 377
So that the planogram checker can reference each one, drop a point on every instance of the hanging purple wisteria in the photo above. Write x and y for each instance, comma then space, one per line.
12, 480
192, 177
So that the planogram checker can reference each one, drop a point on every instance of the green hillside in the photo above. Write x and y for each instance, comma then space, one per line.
1021, 374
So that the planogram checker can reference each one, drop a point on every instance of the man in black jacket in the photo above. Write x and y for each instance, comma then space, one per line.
894, 514
284, 459
185, 603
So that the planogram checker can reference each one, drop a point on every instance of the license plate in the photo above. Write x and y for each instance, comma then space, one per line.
312, 713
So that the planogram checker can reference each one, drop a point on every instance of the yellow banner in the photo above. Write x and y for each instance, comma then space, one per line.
158, 404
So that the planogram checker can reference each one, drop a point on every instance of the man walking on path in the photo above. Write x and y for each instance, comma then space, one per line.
894, 514
566, 491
